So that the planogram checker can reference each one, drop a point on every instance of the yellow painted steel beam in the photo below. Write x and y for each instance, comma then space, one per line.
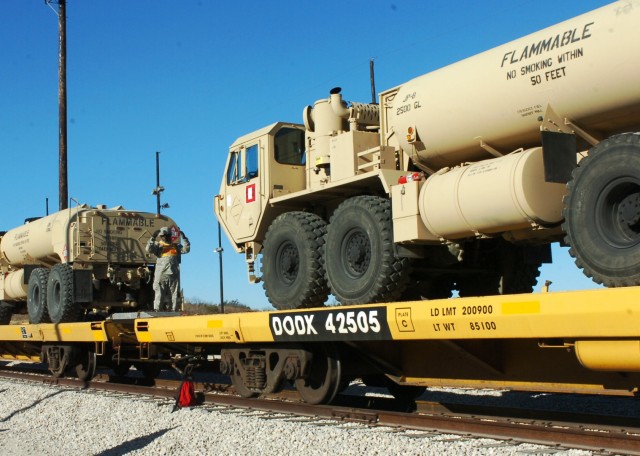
605, 314
49, 332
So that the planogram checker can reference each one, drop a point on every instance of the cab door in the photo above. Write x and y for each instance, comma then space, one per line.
243, 200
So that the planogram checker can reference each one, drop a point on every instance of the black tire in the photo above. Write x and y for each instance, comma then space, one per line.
60, 303
602, 212
37, 296
360, 262
292, 267
504, 269
427, 288
6, 312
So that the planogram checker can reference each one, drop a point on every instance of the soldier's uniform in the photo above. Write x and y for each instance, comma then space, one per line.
166, 280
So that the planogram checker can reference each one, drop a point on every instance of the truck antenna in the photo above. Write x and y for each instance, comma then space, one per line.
373, 82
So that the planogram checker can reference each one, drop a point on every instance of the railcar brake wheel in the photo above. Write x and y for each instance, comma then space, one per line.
359, 253
324, 378
60, 303
602, 212
86, 367
37, 296
292, 269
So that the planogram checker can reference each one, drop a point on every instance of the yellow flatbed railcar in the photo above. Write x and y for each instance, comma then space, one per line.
579, 341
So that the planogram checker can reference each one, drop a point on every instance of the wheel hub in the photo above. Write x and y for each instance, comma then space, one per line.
289, 262
618, 213
629, 210
358, 253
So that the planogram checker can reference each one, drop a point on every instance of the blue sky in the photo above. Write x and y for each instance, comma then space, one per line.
187, 78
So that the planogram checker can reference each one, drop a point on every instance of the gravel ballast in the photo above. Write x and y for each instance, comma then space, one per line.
49, 420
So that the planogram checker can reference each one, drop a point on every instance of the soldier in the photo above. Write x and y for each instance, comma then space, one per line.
165, 244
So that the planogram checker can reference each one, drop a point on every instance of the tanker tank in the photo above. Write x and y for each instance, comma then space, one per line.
576, 69
43, 240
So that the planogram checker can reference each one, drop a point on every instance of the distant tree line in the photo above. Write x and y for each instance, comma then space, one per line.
196, 306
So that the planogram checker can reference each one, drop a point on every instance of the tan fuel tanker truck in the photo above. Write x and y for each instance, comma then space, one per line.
458, 179
78, 260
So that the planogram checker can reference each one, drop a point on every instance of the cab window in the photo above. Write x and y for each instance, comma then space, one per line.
251, 162
289, 146
233, 171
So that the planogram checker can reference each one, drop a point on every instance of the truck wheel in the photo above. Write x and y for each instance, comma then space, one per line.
504, 268
60, 302
602, 212
37, 296
6, 312
359, 253
292, 269
419, 289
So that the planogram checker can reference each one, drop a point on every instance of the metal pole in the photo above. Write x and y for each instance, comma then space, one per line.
373, 82
219, 250
62, 103
157, 183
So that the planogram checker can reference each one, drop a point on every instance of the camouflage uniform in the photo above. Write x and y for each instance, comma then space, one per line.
166, 280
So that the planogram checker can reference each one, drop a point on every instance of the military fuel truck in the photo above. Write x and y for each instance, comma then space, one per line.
460, 179
78, 260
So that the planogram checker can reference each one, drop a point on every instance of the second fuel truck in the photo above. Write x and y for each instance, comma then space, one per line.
76, 261
458, 179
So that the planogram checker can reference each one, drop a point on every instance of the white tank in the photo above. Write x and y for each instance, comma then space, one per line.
43, 240
586, 69
454, 202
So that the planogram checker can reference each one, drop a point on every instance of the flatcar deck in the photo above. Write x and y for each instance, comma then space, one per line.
604, 313
579, 341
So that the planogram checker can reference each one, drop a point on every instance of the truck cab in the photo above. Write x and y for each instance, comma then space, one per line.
266, 164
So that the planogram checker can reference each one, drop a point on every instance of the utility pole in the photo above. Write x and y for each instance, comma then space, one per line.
62, 102
159, 188
219, 251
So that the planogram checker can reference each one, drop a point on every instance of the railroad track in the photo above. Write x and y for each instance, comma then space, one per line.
557, 429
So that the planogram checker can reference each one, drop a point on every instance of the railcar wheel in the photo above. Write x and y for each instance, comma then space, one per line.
6, 312
324, 378
37, 296
240, 387
359, 253
292, 268
602, 212
60, 303
86, 368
